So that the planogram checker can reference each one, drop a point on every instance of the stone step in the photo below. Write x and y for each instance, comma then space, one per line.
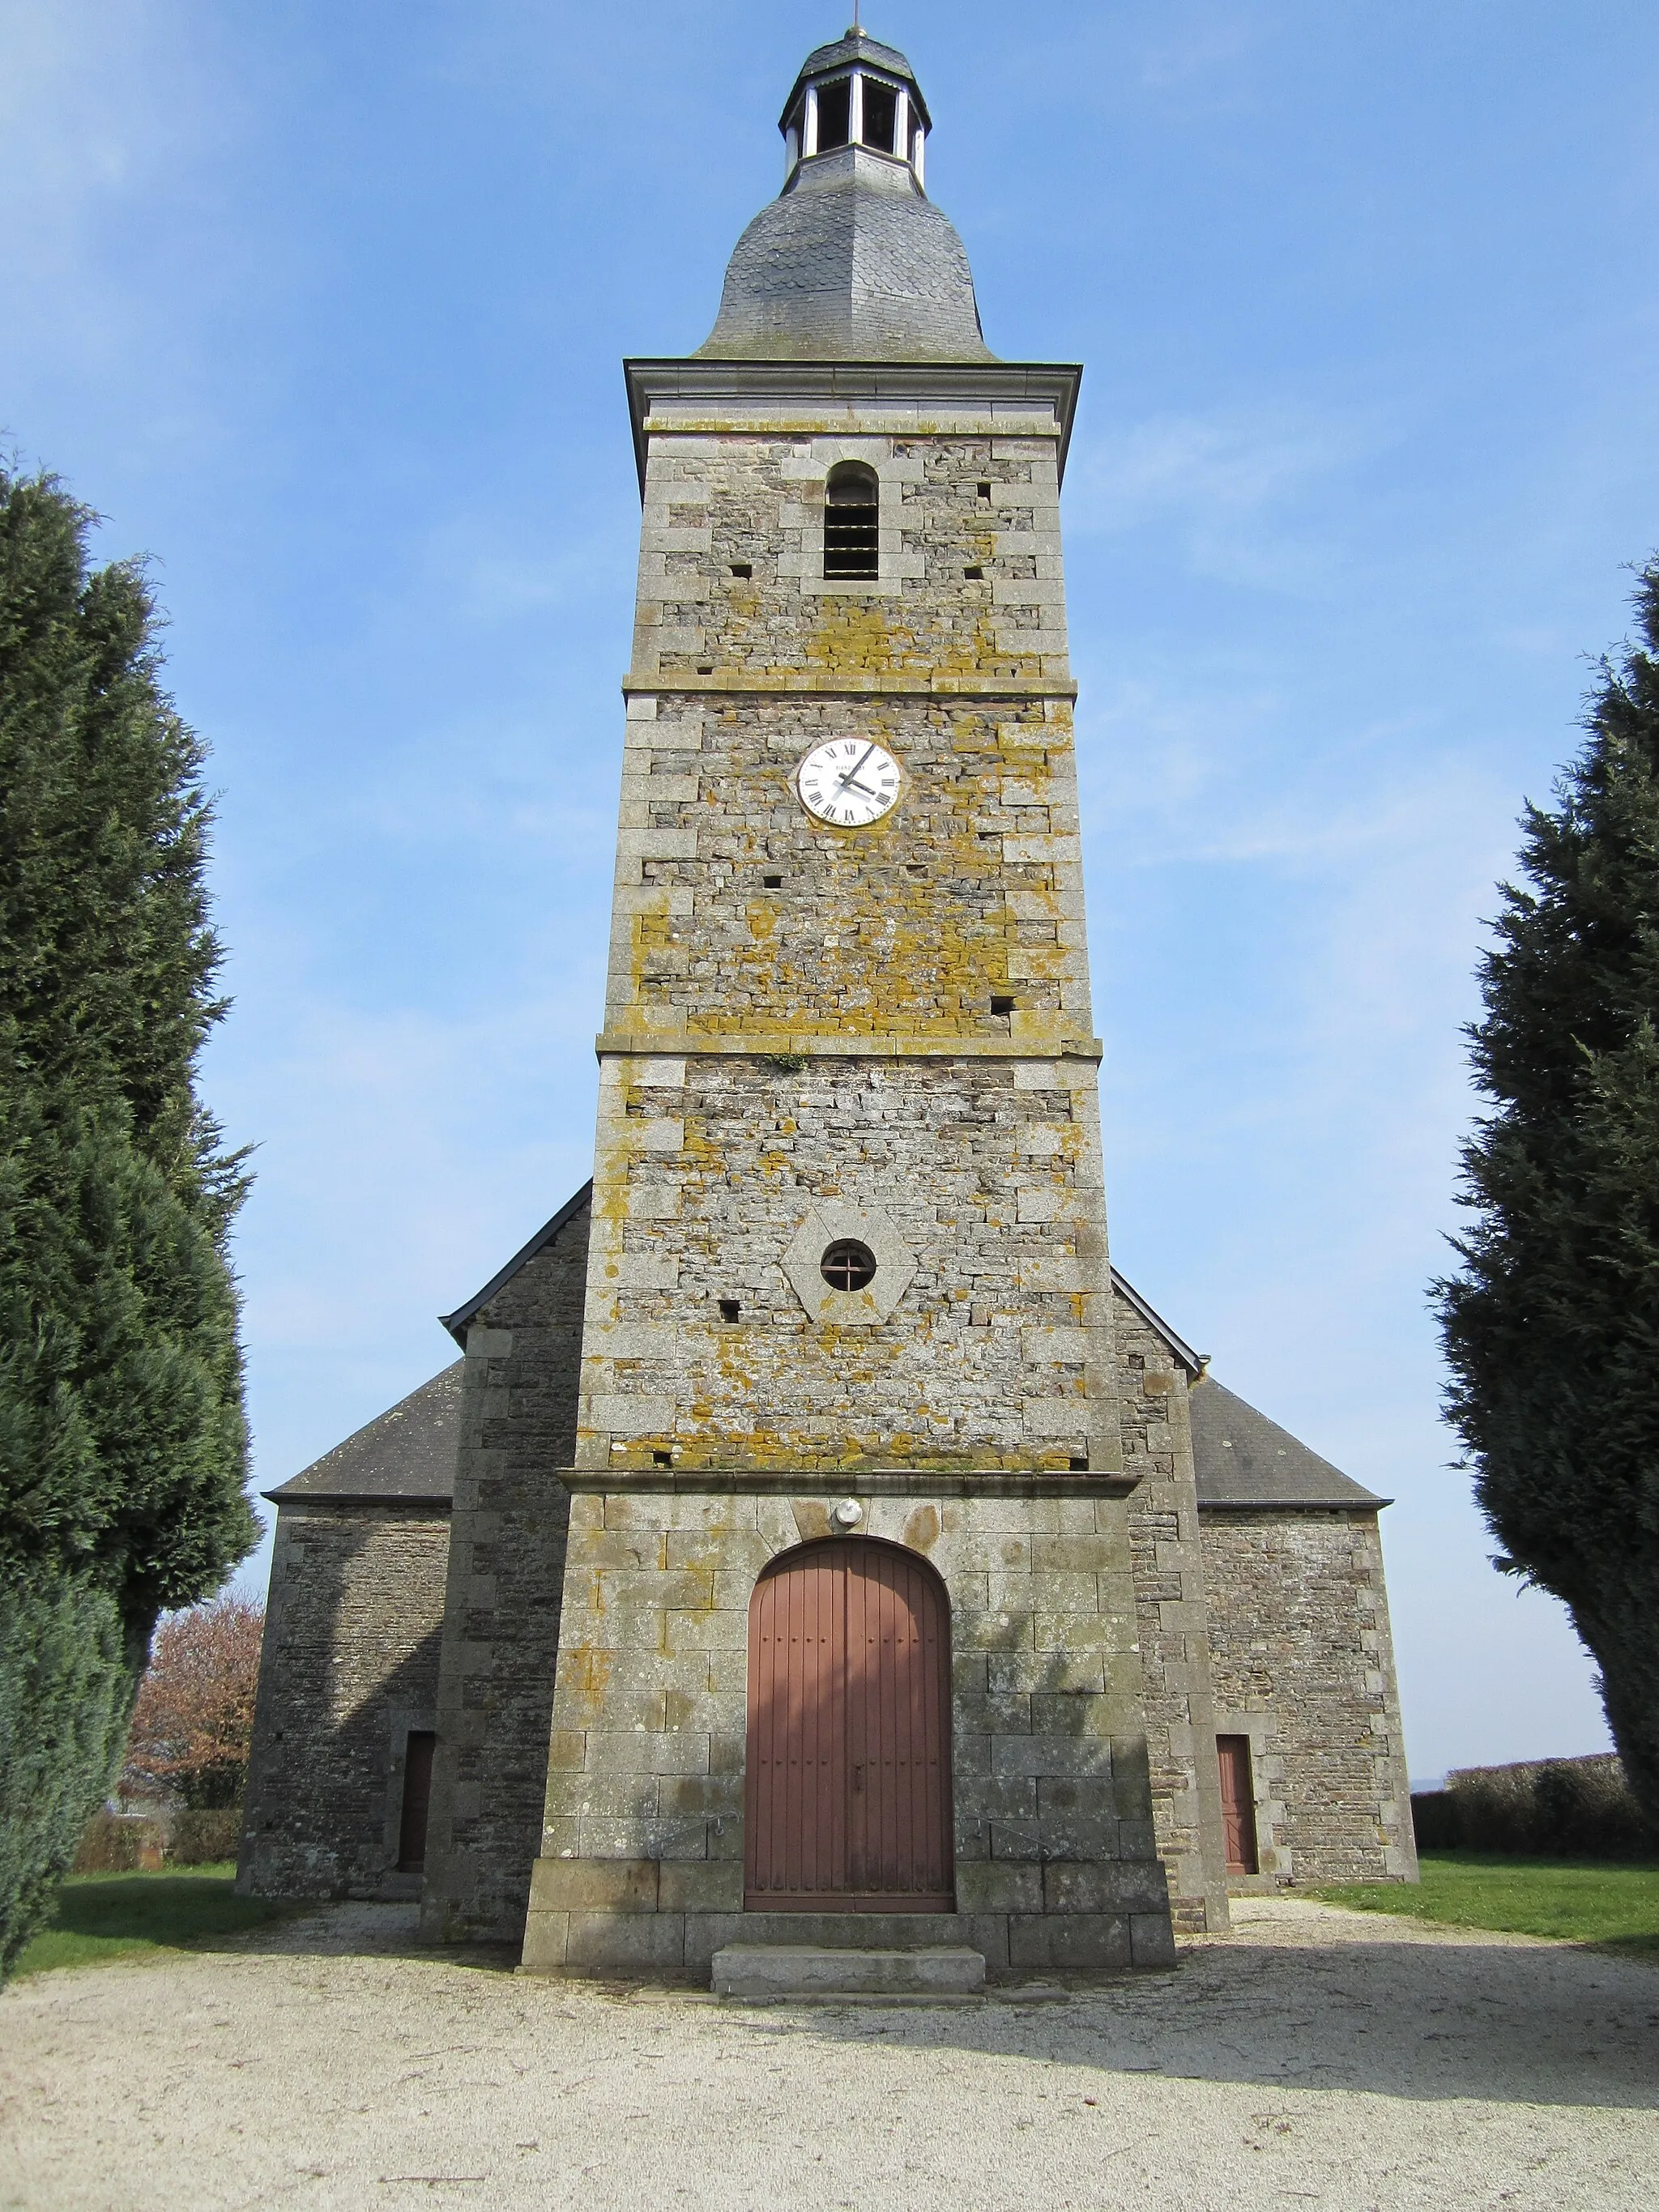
812, 1970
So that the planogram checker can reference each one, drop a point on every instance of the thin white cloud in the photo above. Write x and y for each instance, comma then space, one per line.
108, 109
1233, 488
1205, 58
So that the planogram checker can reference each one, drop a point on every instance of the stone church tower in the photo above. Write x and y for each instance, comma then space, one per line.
848, 1270
811, 1552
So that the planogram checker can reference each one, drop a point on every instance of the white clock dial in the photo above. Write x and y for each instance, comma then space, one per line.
850, 782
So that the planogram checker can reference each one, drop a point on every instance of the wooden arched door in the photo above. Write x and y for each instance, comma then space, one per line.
847, 1800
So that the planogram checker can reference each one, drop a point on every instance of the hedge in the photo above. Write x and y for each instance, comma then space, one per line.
1542, 1808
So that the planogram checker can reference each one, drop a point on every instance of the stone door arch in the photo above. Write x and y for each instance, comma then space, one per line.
848, 1801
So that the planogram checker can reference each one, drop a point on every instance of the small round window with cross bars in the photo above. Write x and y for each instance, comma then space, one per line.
847, 1265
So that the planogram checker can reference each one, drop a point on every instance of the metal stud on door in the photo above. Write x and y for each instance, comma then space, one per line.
848, 1786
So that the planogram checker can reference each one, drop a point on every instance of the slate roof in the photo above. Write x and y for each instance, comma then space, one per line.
1242, 1458
852, 262
869, 53
406, 1454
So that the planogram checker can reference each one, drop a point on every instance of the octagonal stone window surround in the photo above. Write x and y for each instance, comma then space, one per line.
895, 1265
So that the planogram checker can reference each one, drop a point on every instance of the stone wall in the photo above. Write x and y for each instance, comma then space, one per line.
889, 1040
1303, 1664
970, 886
642, 1852
983, 1176
501, 1607
798, 1019
349, 1666
1171, 1610
961, 488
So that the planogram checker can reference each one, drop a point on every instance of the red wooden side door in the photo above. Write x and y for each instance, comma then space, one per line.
417, 1800
1237, 1803
848, 1783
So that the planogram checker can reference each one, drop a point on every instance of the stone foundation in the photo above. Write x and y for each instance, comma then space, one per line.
629, 1935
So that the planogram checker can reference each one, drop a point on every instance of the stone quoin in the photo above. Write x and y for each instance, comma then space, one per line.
811, 1479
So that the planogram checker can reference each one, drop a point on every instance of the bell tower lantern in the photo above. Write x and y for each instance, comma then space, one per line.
855, 93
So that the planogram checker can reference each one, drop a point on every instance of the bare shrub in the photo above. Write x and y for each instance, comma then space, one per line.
204, 1838
193, 1723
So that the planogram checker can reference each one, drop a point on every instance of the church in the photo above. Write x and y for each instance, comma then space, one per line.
817, 1541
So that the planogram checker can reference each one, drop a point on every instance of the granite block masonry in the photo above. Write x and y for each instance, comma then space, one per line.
642, 1859
769, 1972
349, 1661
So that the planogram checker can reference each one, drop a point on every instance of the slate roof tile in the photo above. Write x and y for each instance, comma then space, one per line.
851, 263
1241, 1458
407, 1453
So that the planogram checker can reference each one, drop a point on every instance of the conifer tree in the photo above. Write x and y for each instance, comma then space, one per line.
1552, 1325
122, 1440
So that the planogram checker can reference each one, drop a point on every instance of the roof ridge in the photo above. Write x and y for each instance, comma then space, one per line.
457, 1321
1196, 1363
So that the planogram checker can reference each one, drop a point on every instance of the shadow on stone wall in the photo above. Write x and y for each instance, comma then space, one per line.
356, 1616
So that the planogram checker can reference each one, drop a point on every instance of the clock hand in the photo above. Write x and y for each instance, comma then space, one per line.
859, 764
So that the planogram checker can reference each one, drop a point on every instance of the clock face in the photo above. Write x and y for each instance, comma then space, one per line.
850, 782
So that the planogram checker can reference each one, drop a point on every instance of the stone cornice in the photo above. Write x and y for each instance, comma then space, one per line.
994, 384
831, 1484
781, 684
789, 1044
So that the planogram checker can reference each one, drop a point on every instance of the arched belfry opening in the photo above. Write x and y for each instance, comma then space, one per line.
852, 521
847, 1800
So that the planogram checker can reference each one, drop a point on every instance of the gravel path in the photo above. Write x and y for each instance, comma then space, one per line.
1314, 2057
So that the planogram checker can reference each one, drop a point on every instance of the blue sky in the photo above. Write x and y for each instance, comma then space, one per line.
322, 306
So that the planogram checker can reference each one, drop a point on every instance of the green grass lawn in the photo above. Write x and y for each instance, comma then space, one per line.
101, 1917
1584, 1902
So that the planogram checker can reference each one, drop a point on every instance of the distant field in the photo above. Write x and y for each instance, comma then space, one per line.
101, 1917
1580, 1902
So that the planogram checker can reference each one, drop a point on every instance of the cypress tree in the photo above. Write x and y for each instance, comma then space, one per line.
1552, 1324
123, 1444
